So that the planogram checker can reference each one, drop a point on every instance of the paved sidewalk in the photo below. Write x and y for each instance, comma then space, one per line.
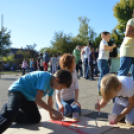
87, 98
87, 95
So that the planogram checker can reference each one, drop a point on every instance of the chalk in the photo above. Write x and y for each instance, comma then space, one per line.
112, 123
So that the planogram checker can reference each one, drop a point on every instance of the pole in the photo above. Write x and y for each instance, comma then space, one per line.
2, 22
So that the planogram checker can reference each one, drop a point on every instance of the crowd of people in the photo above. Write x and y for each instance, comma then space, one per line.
27, 92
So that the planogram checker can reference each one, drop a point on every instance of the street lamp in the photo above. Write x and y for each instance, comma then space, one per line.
2, 34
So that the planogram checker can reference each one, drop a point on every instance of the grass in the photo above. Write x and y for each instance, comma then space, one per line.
11, 73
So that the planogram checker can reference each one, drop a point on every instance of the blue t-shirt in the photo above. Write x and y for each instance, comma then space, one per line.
90, 57
30, 83
31, 64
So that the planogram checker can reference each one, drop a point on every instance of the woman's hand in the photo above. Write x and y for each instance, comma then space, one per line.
76, 103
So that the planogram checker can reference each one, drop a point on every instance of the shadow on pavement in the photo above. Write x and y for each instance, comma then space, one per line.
9, 79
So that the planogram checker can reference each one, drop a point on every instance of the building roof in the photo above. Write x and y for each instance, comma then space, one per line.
14, 50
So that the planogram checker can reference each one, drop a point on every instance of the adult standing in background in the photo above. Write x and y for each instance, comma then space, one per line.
40, 62
96, 68
58, 60
82, 58
127, 50
77, 55
53, 63
46, 60
85, 67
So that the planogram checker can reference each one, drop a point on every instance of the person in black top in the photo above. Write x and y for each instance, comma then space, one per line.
91, 59
40, 62
95, 67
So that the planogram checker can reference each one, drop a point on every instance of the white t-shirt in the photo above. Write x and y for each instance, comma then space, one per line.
127, 90
54, 60
58, 60
69, 93
86, 49
103, 54
83, 55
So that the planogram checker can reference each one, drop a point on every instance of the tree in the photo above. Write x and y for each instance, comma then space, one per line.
5, 41
31, 50
8, 59
117, 37
123, 12
97, 41
65, 43
26, 53
86, 33
61, 43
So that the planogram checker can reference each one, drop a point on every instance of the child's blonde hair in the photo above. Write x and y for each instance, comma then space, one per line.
66, 62
109, 84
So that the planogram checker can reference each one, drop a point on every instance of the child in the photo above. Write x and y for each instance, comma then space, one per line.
58, 60
24, 65
103, 56
53, 63
67, 98
25, 93
91, 59
122, 88
32, 66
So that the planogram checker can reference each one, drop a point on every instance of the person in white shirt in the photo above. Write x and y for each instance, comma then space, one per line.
53, 63
82, 59
102, 62
85, 67
67, 99
122, 88
58, 60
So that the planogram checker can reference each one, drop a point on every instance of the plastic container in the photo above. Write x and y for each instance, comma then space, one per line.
111, 118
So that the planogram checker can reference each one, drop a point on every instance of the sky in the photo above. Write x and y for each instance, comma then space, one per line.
36, 21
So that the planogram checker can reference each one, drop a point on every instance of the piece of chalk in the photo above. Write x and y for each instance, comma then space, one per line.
112, 122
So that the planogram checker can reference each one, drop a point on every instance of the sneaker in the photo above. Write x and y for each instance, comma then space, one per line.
92, 79
99, 94
75, 116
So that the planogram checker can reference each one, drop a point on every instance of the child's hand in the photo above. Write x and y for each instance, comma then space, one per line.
114, 45
117, 119
54, 118
61, 108
97, 106
57, 115
111, 50
76, 103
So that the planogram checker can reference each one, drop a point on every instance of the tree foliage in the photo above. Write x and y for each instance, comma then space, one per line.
5, 42
123, 12
117, 37
65, 43
8, 59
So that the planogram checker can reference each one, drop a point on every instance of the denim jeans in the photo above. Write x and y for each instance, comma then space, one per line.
125, 64
69, 109
96, 69
103, 68
85, 68
18, 110
91, 70
23, 71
